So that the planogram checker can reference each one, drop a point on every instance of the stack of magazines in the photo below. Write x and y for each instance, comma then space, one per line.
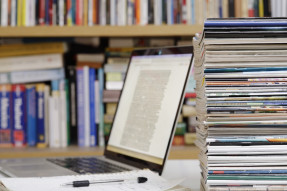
241, 76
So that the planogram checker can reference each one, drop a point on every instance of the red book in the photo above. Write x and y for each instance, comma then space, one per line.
42, 12
50, 12
79, 12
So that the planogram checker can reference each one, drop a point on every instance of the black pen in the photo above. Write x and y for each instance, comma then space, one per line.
85, 183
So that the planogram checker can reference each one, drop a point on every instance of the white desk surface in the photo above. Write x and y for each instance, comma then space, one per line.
188, 169
176, 169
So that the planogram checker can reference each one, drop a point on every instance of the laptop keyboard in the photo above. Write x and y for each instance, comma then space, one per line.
88, 165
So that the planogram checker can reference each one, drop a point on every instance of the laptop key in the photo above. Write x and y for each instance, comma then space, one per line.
87, 165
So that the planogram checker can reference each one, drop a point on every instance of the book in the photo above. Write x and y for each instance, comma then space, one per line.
5, 116
31, 115
40, 116
19, 115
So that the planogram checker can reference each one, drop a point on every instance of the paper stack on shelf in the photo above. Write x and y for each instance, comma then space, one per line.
240, 68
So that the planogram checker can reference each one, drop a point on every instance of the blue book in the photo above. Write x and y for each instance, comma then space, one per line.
40, 89
5, 115
18, 115
81, 107
220, 9
73, 12
93, 130
47, 6
31, 115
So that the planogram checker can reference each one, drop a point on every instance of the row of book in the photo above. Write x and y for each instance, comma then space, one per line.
241, 103
131, 12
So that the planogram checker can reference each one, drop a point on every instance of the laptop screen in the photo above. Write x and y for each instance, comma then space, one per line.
150, 100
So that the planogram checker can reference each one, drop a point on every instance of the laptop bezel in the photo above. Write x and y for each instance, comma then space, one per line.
135, 161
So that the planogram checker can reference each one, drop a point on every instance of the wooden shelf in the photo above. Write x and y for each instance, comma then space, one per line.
101, 31
177, 152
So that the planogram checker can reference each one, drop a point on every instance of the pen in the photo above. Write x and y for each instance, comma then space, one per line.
85, 183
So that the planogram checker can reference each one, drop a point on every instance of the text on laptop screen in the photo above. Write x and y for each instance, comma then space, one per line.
148, 107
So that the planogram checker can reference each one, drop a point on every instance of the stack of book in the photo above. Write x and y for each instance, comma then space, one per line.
240, 67
24, 97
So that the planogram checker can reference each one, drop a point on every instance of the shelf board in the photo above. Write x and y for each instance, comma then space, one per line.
177, 152
101, 31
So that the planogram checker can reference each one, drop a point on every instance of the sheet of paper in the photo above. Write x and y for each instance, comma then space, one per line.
154, 183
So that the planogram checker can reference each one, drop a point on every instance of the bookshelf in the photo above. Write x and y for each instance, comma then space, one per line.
102, 31
176, 152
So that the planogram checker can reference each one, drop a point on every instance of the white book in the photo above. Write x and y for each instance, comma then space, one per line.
103, 12
114, 85
13, 13
87, 106
32, 62
157, 12
63, 115
36, 75
90, 12
143, 12
46, 111
54, 137
122, 12
4, 13
61, 12
27, 13
169, 11
4, 78
113, 12
32, 13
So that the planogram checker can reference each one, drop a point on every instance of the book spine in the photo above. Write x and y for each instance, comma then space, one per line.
113, 12
85, 12
13, 13
4, 13
22, 63
69, 13
67, 99
46, 107
19, 12
79, 12
90, 12
80, 107
130, 11
51, 2
41, 134
261, 8
36, 75
87, 105
143, 12
184, 12
93, 129
47, 12
157, 12
73, 103
31, 115
103, 16
231, 12
138, 12
250, 8
61, 12
54, 115
63, 115
101, 111
18, 115
5, 116
73, 12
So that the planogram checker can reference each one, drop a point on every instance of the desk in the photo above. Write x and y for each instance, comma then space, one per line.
188, 169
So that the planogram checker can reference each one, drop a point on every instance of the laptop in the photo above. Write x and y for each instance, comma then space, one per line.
144, 122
